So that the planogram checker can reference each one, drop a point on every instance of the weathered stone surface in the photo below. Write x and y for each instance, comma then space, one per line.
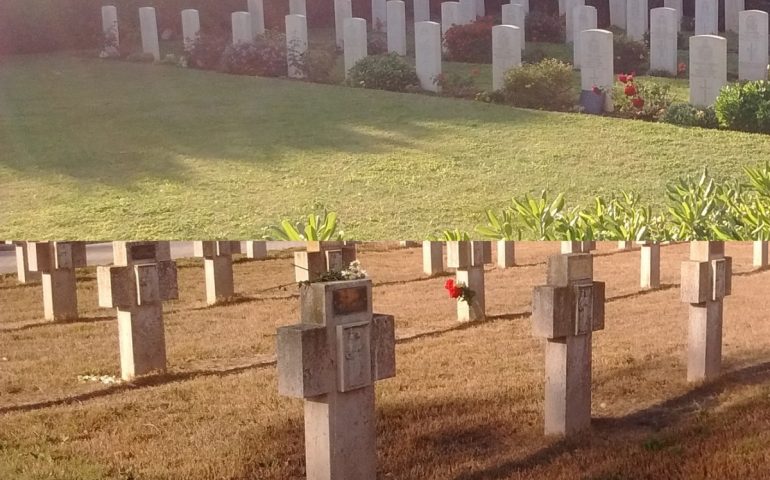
753, 45
506, 53
637, 19
148, 26
515, 14
257, 14
432, 257
379, 15
421, 11
706, 17
506, 253
663, 40
473, 278
396, 27
584, 18
569, 13
597, 63
708, 68
650, 266
618, 13
355, 42
296, 44
343, 9
191, 26
732, 10
242, 28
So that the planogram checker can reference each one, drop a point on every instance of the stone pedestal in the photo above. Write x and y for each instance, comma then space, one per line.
149, 29
242, 28
650, 266
296, 44
432, 258
637, 20
708, 68
332, 360
218, 267
597, 63
506, 254
355, 42
142, 277
421, 11
663, 40
397, 27
256, 249
23, 274
191, 27
56, 263
706, 281
760, 254
257, 14
343, 9
566, 312
706, 17
428, 54
468, 259
506, 52
753, 45
583, 18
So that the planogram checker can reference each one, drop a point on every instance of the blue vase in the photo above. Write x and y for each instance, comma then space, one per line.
593, 102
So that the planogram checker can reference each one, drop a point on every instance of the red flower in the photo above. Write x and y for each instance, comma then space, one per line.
597, 90
455, 292
630, 90
682, 67
622, 78
449, 284
638, 102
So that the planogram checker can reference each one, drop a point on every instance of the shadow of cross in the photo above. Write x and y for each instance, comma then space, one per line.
142, 277
331, 360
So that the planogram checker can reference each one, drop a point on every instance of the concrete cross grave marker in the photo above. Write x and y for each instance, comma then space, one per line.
56, 263
706, 281
23, 273
141, 279
331, 360
432, 257
506, 254
256, 249
322, 257
760, 254
468, 260
218, 267
649, 275
566, 311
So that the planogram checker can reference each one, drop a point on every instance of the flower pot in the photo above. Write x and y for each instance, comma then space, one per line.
593, 102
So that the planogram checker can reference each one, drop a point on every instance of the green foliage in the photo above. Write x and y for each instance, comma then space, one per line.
500, 226
455, 235
688, 115
383, 72
315, 227
319, 64
745, 106
630, 56
543, 27
655, 97
265, 57
205, 52
458, 85
540, 216
470, 43
546, 85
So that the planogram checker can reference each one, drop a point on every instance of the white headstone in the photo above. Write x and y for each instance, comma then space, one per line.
379, 15
561, 7
753, 45
708, 68
467, 11
296, 43
506, 52
450, 15
355, 42
732, 9
676, 5
618, 13
242, 28
523, 3
191, 26
706, 17
570, 5
636, 19
397, 27
481, 8
343, 9
584, 18
663, 40
421, 11
596, 64
110, 23
427, 41
257, 12
514, 14
297, 7
149, 27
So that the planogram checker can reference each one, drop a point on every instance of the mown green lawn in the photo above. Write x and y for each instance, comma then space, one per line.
101, 149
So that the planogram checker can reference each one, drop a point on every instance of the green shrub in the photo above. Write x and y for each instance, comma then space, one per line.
546, 85
383, 72
471, 43
688, 115
644, 101
266, 57
459, 85
745, 107
319, 64
630, 56
205, 52
543, 27
376, 43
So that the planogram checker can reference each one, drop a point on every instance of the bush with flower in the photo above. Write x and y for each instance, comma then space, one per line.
641, 100
459, 291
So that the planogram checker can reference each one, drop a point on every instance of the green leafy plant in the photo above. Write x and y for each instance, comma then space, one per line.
540, 215
630, 55
456, 84
450, 236
642, 100
383, 72
688, 115
265, 57
745, 107
546, 85
500, 226
313, 227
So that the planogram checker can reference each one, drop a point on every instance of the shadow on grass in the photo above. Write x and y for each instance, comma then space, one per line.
32, 326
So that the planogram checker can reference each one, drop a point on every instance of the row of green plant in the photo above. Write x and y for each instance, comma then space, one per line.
695, 208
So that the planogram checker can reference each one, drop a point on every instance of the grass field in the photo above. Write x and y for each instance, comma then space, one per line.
98, 149
466, 402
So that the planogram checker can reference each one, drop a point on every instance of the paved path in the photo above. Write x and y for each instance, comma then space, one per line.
101, 253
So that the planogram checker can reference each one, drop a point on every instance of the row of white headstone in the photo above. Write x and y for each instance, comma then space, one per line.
631, 15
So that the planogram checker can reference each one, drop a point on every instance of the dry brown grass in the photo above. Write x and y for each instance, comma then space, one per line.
466, 402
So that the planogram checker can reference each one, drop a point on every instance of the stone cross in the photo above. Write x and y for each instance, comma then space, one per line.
597, 64
343, 9
257, 14
421, 11
732, 9
637, 20
355, 42
256, 249
625, 245
218, 267
649, 272
191, 27
566, 312
322, 257
752, 45
23, 273
379, 16
569, 10
618, 13
110, 26
397, 27
663, 40
578, 247
708, 68
298, 7
468, 260
296, 44
676, 5
149, 27
428, 53
332, 360
506, 53
242, 28
583, 18
706, 17
706, 281
432, 258
56, 263
506, 254
142, 277
760, 254
514, 14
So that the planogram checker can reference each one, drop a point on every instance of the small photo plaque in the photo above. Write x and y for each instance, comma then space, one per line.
144, 251
350, 300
